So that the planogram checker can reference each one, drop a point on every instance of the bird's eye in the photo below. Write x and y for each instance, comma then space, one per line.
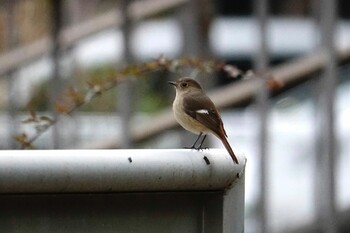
184, 84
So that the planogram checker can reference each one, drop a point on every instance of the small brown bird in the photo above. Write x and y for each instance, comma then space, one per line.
195, 112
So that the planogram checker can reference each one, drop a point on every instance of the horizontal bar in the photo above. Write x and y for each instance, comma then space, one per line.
65, 171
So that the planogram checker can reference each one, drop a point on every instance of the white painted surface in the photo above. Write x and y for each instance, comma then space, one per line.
56, 171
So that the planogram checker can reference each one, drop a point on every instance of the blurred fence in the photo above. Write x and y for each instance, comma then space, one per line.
290, 74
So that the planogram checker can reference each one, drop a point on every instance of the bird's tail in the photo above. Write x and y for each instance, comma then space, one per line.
228, 148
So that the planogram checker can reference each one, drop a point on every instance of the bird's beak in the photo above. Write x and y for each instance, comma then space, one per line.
172, 83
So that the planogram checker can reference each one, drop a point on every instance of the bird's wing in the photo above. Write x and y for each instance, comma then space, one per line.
201, 108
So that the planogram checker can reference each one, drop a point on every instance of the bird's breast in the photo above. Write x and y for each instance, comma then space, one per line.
186, 121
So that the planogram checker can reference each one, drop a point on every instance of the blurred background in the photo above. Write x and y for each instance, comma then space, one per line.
295, 138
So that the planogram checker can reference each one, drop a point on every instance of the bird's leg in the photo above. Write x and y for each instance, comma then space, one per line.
200, 148
201, 144
194, 144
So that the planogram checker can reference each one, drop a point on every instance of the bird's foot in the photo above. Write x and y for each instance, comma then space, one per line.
191, 147
200, 148
196, 148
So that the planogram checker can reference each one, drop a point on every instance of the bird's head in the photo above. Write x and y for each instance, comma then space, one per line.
186, 84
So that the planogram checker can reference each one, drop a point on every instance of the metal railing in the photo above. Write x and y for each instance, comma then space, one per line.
175, 190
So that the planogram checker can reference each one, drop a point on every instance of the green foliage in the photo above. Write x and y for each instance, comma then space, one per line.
40, 99
152, 92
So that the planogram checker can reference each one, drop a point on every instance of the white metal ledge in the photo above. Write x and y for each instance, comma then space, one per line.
69, 171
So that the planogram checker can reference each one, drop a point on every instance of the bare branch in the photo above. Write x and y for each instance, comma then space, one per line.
74, 97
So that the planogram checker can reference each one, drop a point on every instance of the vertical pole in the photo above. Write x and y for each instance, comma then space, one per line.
195, 27
261, 14
56, 83
261, 63
11, 103
195, 18
125, 89
326, 139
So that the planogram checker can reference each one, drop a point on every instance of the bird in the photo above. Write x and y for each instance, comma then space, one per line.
195, 112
